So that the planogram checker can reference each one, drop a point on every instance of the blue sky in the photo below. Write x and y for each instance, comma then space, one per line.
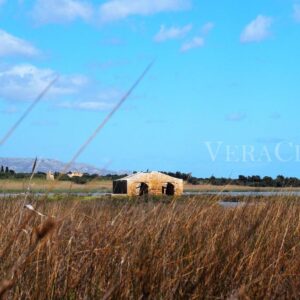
221, 99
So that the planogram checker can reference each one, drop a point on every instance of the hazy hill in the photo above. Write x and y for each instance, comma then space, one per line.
45, 165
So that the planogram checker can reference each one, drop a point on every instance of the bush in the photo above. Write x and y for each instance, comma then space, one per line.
79, 180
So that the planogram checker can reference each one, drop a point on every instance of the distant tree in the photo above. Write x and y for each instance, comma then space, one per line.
268, 181
3, 176
242, 180
2, 169
280, 181
256, 178
79, 180
94, 176
290, 181
280, 178
212, 180
6, 169
40, 175
193, 180
20, 175
64, 177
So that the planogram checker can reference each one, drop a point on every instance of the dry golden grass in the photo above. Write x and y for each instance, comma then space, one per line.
156, 249
44, 185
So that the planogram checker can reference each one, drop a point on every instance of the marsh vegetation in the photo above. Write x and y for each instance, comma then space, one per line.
150, 249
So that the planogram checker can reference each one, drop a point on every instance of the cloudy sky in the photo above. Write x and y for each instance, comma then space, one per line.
221, 99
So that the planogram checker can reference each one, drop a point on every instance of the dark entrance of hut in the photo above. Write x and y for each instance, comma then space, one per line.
144, 189
120, 187
169, 189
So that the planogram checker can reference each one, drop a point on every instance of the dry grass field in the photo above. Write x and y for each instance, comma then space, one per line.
186, 248
40, 185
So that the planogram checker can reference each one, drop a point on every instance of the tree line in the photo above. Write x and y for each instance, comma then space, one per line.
6, 173
251, 181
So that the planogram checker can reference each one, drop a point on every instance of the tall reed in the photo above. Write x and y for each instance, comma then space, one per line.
156, 249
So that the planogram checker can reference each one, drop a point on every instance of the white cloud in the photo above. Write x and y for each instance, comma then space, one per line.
11, 45
171, 33
25, 82
85, 105
199, 40
296, 13
206, 28
61, 11
103, 100
257, 30
196, 42
114, 10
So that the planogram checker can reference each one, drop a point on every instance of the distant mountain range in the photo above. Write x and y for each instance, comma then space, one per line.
24, 165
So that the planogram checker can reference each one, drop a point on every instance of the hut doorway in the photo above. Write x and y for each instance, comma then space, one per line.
120, 187
144, 189
170, 189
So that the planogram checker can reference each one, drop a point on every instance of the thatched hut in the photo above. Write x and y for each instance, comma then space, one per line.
152, 183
